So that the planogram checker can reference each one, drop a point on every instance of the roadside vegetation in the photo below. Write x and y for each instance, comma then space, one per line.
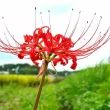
88, 89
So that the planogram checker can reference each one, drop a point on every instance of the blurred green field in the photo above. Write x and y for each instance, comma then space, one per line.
24, 80
87, 90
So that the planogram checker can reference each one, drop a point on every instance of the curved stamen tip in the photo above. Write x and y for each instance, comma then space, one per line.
79, 12
35, 8
100, 16
72, 9
2, 17
87, 21
48, 10
40, 12
94, 13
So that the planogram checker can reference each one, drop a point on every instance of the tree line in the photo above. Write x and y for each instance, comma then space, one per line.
27, 69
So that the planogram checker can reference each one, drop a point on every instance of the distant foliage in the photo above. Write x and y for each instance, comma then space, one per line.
24, 80
19, 68
87, 90
26, 69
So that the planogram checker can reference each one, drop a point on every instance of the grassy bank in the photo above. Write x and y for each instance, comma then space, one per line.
87, 90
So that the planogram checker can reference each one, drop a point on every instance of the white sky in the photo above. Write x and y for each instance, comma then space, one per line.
19, 17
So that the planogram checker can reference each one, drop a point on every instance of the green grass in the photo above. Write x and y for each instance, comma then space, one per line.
22, 98
87, 90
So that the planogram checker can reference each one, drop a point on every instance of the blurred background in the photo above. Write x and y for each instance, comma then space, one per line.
86, 88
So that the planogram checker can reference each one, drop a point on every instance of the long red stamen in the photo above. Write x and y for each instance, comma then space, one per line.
35, 17
9, 32
75, 26
68, 23
92, 35
84, 31
49, 19
41, 19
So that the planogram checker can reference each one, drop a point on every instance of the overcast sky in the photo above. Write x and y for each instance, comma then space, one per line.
20, 18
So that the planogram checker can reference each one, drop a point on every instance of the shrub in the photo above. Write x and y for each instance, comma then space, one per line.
65, 98
87, 90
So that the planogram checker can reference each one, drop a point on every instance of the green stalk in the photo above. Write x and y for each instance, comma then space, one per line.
41, 85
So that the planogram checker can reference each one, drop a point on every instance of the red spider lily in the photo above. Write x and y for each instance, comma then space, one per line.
58, 49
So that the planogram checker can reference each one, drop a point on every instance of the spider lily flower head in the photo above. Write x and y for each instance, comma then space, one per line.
42, 45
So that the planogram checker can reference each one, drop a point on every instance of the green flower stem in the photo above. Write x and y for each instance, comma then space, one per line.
41, 85
52, 56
